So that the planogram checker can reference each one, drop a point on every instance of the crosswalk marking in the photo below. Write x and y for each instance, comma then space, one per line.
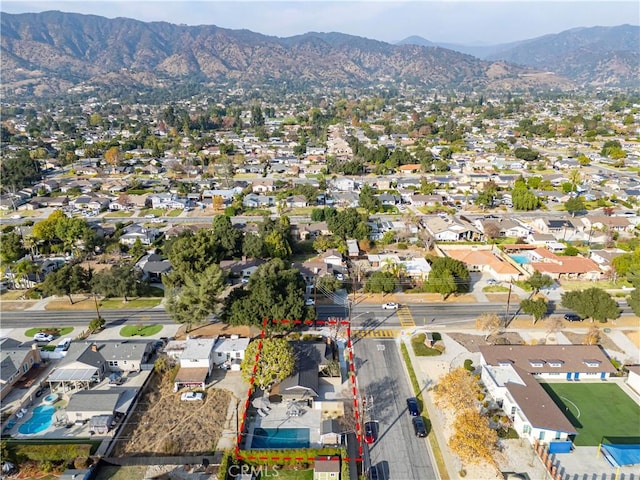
375, 333
405, 317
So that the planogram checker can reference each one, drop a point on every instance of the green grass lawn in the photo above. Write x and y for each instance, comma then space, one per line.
597, 410
158, 212
63, 331
173, 213
145, 331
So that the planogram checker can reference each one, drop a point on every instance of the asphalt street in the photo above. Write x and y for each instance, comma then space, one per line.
397, 453
366, 316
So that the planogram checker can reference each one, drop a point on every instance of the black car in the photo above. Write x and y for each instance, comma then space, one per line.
572, 317
412, 406
419, 427
373, 474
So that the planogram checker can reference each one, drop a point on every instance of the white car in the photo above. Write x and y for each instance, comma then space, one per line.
390, 306
309, 302
151, 215
17, 216
43, 337
192, 396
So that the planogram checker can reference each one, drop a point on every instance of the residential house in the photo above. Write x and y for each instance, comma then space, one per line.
168, 201
450, 229
484, 259
196, 362
82, 367
557, 267
505, 227
136, 231
126, 355
419, 200
153, 267
312, 270
263, 186
344, 184
258, 201
561, 229
230, 351
333, 257
306, 231
388, 199
16, 360
296, 201
88, 405
610, 223
604, 258
326, 468
417, 268
242, 268
302, 385
91, 201
344, 199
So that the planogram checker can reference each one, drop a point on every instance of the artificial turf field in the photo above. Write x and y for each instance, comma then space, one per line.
597, 410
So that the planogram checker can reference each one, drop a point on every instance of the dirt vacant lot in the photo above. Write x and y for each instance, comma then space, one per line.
162, 424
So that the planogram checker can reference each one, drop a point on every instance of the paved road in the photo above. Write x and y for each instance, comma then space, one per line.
397, 454
367, 316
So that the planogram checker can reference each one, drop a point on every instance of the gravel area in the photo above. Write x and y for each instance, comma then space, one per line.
605, 341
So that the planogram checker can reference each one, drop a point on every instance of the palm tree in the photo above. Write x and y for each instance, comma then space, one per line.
22, 270
398, 270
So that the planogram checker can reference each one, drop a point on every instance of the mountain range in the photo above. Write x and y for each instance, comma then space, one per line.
597, 55
51, 52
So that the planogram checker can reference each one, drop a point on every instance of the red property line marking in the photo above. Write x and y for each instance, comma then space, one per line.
265, 322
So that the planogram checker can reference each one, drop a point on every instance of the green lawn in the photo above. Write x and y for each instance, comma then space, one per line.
144, 331
173, 213
62, 331
158, 212
597, 410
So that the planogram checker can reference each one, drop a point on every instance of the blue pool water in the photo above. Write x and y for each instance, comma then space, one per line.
521, 259
40, 420
280, 438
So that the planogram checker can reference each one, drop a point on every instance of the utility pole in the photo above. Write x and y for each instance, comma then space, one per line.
506, 318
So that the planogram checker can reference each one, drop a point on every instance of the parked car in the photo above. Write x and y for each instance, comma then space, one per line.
340, 277
412, 406
370, 430
43, 337
309, 302
63, 345
390, 306
419, 427
492, 281
572, 317
150, 215
192, 396
373, 474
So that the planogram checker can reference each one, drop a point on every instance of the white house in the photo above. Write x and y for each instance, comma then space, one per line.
534, 414
510, 374
230, 351
196, 363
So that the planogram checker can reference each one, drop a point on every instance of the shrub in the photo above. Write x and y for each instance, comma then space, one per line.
481, 397
468, 364
96, 324
462, 473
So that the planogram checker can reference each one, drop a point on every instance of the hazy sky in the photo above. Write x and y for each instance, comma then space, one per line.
467, 22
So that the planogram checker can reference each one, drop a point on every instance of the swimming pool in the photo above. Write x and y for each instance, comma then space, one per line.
280, 438
520, 259
40, 420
